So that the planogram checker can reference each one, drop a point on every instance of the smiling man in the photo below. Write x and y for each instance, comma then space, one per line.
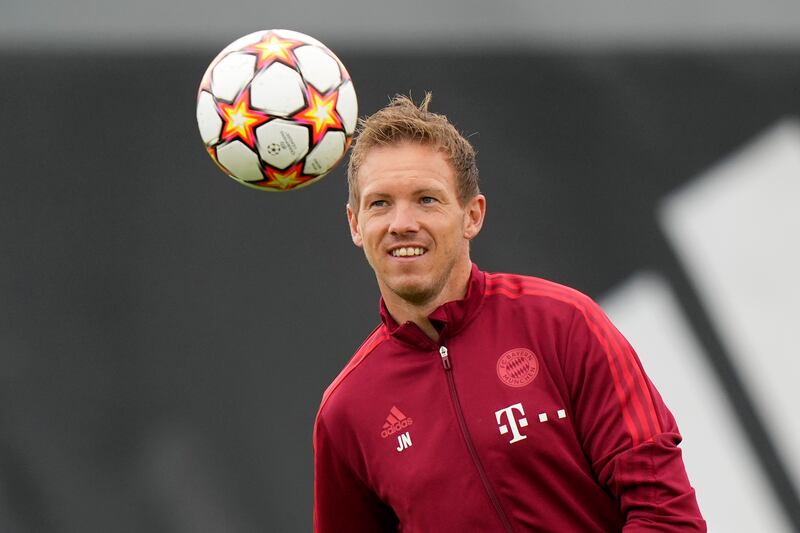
483, 402
414, 230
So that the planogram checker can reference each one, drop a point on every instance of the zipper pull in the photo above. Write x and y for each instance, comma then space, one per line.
445, 358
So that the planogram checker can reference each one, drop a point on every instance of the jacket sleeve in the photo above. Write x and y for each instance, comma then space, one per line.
626, 431
342, 501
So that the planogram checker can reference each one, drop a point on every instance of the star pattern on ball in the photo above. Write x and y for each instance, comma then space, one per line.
320, 113
275, 48
285, 179
240, 119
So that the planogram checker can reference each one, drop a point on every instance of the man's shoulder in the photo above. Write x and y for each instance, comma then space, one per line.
532, 288
373, 340
553, 304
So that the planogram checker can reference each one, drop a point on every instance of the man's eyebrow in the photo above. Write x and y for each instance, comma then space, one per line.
375, 194
416, 192
428, 189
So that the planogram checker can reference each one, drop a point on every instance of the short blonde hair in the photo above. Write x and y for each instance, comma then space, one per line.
403, 121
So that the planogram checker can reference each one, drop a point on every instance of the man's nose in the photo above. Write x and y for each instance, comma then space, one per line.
404, 219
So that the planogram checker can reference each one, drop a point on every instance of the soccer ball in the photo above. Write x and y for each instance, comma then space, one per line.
276, 110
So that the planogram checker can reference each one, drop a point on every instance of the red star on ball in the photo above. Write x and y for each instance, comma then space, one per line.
285, 179
275, 48
320, 113
240, 119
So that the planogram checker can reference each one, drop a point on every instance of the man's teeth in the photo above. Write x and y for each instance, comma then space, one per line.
405, 252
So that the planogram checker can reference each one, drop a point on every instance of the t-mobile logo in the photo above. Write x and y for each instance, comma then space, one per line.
512, 422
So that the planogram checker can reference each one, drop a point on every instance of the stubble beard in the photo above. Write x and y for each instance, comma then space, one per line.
419, 295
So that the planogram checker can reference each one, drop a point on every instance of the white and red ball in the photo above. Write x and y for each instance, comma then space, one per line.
276, 110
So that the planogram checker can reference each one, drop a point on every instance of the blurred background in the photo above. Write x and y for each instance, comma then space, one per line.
166, 334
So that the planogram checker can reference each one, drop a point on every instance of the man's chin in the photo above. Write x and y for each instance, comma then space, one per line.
414, 293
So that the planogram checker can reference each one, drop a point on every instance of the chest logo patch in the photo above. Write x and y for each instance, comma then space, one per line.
517, 367
395, 422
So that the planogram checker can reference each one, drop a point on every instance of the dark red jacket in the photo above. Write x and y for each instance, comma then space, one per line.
530, 413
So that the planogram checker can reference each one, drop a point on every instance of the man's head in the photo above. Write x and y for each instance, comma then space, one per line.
402, 120
411, 211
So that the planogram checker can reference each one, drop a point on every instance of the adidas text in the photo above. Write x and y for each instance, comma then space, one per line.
397, 426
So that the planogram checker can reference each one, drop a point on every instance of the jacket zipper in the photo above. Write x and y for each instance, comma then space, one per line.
470, 445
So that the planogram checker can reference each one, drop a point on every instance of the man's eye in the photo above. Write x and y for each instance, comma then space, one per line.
378, 203
427, 199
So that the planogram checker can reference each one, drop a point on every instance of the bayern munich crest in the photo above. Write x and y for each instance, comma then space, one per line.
517, 367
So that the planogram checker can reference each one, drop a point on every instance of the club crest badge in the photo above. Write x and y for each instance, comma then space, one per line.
517, 367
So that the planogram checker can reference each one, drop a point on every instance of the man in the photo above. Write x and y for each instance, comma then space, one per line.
483, 402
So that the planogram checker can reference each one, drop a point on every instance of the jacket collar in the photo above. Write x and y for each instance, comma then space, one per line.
449, 318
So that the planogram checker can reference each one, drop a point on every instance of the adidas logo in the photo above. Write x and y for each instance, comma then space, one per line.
396, 421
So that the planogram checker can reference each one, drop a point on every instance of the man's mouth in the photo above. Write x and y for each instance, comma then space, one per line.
407, 251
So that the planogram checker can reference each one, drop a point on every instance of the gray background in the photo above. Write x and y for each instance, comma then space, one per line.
166, 334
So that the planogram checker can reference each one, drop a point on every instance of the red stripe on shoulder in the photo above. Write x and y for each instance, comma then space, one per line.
515, 285
631, 386
375, 338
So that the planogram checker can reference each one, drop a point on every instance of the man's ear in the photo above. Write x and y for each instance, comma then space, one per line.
474, 213
355, 232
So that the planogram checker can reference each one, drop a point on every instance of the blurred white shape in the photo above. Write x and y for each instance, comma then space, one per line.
282, 143
208, 119
319, 68
278, 90
232, 74
324, 155
737, 231
732, 491
240, 161
347, 107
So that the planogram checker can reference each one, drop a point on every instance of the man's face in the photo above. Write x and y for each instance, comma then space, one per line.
410, 223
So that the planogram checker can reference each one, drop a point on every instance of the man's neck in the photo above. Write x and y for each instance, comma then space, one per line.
404, 311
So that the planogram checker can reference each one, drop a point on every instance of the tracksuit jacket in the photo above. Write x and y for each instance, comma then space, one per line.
530, 412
